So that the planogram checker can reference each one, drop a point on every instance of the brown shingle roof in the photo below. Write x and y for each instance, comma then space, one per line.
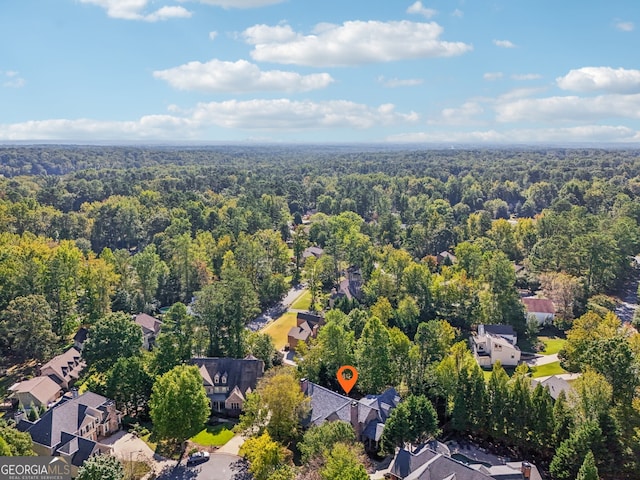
147, 322
42, 388
539, 305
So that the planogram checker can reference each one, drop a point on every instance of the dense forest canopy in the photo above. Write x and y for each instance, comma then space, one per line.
87, 233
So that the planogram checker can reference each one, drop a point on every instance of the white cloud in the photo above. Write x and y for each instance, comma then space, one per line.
239, 77
238, 3
589, 79
570, 108
625, 26
463, 115
400, 82
491, 76
580, 134
11, 79
298, 115
263, 115
352, 43
133, 10
504, 44
213, 35
526, 76
418, 9
457, 13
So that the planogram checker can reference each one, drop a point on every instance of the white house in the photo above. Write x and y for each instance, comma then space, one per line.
488, 349
505, 331
541, 308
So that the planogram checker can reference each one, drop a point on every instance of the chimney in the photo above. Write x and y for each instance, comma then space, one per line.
481, 330
74, 393
304, 385
354, 419
526, 470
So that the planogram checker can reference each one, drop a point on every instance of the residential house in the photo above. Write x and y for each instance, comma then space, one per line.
39, 392
427, 462
227, 381
79, 338
150, 329
74, 427
554, 383
312, 252
367, 416
307, 325
64, 369
505, 331
541, 308
488, 349
446, 258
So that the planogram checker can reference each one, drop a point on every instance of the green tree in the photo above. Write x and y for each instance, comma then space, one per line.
588, 470
343, 462
179, 406
149, 267
25, 328
62, 284
101, 467
413, 421
373, 357
261, 346
497, 402
113, 337
300, 243
265, 456
277, 406
570, 453
320, 439
129, 384
16, 443
176, 340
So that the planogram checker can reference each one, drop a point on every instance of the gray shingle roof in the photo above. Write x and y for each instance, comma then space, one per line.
148, 323
241, 372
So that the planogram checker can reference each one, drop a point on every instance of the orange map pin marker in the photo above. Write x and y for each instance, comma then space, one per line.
347, 377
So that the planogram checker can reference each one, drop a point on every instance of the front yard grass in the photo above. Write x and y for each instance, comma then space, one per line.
552, 345
135, 469
303, 302
279, 329
213, 436
547, 370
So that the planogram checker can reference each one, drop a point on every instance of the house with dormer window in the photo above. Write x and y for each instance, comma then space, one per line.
228, 381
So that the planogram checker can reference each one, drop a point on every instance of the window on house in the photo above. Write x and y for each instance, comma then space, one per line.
235, 406
224, 379
216, 379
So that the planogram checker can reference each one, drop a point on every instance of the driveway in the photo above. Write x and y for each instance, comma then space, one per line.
221, 466
129, 447
543, 360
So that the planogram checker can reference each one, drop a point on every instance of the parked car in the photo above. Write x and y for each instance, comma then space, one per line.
198, 457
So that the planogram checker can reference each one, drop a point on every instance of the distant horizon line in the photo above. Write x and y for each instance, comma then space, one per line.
354, 144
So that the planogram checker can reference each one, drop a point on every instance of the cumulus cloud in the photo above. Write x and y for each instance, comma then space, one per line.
418, 9
238, 3
457, 13
213, 35
296, 115
491, 76
239, 77
526, 76
261, 114
589, 79
504, 44
625, 26
134, 10
352, 43
569, 108
465, 114
400, 82
580, 134
11, 79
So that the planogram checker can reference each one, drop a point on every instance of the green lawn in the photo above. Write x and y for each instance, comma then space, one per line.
279, 329
303, 302
547, 370
552, 345
213, 436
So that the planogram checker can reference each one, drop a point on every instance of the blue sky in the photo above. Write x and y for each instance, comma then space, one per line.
444, 71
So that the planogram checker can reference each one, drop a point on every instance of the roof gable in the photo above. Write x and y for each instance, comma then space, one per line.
148, 323
241, 372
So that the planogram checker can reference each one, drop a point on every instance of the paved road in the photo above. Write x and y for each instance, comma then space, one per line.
221, 466
542, 360
274, 312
